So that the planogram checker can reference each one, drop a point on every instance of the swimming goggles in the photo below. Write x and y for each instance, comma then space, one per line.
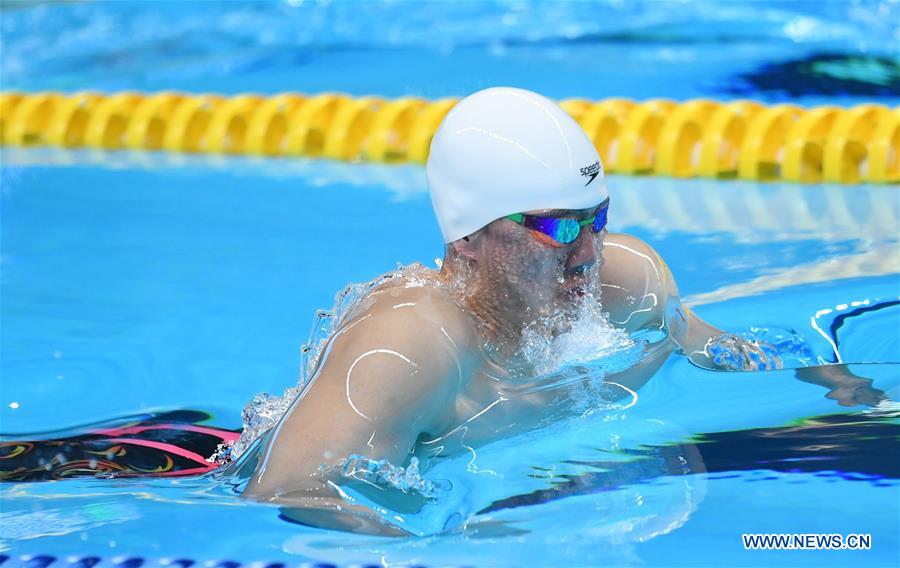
564, 230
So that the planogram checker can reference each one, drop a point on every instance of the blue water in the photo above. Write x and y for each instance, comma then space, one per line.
647, 49
140, 282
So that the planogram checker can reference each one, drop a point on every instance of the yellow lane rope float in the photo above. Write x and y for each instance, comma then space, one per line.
697, 138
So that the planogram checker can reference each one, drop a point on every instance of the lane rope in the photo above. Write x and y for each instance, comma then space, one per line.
697, 138
133, 561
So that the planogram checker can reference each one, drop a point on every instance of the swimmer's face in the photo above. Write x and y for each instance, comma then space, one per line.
533, 274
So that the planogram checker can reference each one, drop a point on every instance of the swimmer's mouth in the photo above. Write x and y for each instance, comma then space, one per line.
576, 287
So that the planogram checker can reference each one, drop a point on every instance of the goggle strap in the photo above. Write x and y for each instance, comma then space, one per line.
520, 219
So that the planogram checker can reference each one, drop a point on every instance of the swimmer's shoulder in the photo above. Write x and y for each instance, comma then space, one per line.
637, 284
431, 303
420, 288
629, 260
421, 315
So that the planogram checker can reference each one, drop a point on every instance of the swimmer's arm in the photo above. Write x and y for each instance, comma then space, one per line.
709, 347
640, 293
843, 386
693, 335
385, 380
644, 295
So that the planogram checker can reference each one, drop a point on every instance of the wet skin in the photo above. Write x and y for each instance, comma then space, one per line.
407, 372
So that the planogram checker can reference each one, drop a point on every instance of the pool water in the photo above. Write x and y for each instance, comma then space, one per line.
135, 283
769, 50
122, 294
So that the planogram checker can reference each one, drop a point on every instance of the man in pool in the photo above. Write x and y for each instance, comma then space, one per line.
428, 363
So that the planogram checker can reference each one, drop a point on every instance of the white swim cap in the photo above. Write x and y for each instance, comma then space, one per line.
502, 151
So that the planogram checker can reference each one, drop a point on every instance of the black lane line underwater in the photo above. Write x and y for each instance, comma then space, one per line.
841, 319
825, 73
854, 447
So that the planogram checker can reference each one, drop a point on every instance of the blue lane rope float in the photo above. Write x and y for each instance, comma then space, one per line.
697, 138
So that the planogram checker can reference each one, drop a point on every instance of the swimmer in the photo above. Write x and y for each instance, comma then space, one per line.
422, 367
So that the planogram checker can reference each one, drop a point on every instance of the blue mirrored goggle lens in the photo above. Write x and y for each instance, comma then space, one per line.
600, 220
565, 231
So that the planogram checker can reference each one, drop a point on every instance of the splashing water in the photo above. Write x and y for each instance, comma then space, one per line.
382, 473
769, 349
265, 410
576, 336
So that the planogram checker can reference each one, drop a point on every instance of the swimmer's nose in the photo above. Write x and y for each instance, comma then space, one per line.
583, 255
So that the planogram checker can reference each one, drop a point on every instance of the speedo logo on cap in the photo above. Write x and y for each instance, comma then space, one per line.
591, 171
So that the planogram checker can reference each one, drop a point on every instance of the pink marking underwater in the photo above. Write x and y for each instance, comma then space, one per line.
225, 435
167, 448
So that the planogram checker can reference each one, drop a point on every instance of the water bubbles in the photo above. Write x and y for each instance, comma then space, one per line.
261, 414
223, 455
568, 337
761, 349
382, 473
